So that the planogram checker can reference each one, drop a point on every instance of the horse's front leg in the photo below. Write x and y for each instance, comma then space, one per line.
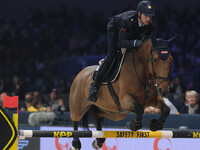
155, 124
137, 123
98, 143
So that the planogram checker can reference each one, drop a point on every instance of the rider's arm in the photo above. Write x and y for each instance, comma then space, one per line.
123, 41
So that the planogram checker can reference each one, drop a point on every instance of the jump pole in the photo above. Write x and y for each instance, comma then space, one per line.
109, 134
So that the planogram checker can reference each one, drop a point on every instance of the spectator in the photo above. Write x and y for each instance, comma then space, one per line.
36, 105
36, 94
2, 98
29, 106
57, 104
17, 87
153, 110
28, 101
29, 96
192, 107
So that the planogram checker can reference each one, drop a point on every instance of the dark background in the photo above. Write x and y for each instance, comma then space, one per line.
45, 43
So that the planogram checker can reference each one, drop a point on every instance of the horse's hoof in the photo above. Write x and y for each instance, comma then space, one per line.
154, 125
72, 148
133, 126
76, 144
95, 145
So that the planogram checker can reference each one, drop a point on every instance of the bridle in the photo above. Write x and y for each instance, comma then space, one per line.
155, 77
152, 82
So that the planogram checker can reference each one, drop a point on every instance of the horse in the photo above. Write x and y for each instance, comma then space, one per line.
143, 81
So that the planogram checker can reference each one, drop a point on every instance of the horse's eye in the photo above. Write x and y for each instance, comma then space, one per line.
155, 60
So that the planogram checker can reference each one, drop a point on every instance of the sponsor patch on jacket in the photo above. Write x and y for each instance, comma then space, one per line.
123, 29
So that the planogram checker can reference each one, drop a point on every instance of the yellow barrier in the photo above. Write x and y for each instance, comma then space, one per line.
15, 120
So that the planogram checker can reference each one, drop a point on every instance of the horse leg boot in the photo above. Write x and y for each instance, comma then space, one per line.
155, 124
76, 144
98, 143
137, 123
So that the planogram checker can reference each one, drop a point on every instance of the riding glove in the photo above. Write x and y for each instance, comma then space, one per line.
137, 43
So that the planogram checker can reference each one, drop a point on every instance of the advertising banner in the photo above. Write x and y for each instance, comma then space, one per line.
29, 144
118, 143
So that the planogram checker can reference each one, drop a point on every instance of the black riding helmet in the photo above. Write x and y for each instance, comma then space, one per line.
146, 7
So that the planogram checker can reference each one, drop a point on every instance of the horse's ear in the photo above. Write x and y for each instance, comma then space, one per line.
172, 39
153, 40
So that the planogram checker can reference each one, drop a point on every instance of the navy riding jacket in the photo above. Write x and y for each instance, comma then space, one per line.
127, 26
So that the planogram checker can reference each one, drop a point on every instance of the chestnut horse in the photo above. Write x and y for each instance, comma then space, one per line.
143, 81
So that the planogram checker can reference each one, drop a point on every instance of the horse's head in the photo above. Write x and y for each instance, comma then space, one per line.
159, 64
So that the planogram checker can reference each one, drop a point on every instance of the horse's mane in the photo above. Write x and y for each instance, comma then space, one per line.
146, 39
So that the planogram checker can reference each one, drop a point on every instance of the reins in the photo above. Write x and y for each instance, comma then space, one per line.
146, 86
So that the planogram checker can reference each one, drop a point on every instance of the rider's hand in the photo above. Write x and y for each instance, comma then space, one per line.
137, 43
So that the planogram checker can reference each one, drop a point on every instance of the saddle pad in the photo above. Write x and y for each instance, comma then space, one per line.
114, 70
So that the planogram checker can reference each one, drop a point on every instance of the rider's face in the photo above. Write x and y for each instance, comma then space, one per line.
145, 19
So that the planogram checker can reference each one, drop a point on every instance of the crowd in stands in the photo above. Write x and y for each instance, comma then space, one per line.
190, 105
31, 49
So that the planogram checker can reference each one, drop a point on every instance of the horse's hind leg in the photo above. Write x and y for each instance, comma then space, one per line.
76, 142
98, 143
137, 123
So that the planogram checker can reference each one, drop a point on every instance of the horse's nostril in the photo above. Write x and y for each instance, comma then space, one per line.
160, 90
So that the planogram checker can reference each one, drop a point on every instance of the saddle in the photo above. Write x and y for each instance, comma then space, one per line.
111, 76
113, 70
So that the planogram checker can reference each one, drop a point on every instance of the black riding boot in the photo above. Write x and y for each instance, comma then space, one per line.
95, 85
112, 50
93, 91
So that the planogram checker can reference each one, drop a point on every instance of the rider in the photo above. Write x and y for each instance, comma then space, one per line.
124, 30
